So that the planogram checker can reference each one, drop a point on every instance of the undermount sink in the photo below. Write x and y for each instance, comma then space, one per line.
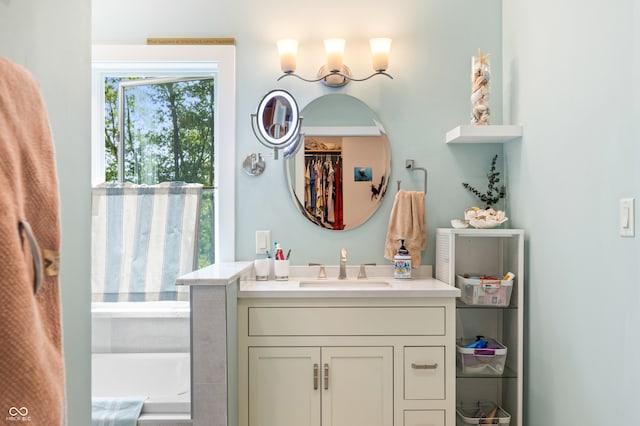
350, 284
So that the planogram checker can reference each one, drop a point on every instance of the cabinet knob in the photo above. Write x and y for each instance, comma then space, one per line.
424, 366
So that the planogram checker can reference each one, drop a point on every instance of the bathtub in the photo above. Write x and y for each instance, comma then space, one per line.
162, 377
143, 349
140, 327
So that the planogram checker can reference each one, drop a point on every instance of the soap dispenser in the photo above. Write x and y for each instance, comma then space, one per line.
402, 263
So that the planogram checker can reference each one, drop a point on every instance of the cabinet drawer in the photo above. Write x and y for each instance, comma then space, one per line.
347, 321
424, 372
424, 418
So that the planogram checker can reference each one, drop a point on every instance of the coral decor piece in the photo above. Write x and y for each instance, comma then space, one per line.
480, 77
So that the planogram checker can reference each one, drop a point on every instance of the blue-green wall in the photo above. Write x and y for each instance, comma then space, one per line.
571, 72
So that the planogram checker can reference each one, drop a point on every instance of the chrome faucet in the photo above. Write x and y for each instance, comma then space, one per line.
343, 264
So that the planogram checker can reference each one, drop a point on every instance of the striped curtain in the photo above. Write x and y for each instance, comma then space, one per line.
143, 238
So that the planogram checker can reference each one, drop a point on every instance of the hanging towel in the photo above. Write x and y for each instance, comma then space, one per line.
143, 238
407, 222
31, 359
116, 411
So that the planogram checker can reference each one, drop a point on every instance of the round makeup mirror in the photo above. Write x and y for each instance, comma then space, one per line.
276, 124
338, 178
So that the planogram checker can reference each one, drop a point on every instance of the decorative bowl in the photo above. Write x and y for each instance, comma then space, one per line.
484, 224
459, 223
485, 219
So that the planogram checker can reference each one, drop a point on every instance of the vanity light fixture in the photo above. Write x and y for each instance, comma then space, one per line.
334, 72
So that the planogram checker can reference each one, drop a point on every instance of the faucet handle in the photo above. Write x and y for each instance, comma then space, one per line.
343, 255
322, 274
362, 274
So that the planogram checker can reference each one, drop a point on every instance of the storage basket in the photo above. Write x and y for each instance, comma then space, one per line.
478, 414
485, 290
487, 361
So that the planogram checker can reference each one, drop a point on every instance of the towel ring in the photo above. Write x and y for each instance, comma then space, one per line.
410, 164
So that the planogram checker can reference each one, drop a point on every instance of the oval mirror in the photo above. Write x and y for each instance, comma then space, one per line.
277, 119
339, 178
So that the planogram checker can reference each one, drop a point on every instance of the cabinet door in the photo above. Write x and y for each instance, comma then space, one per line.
357, 386
424, 372
283, 389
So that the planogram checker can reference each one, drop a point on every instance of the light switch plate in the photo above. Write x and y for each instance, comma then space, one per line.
263, 241
627, 217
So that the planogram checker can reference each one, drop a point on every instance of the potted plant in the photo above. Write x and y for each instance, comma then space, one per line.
487, 217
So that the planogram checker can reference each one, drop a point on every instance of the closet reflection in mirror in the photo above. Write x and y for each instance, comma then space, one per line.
340, 177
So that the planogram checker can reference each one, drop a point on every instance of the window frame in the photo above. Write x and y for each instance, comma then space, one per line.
186, 60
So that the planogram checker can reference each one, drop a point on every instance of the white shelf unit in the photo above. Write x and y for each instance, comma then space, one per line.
488, 251
484, 134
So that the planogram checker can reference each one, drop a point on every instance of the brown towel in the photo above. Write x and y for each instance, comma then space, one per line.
31, 361
407, 222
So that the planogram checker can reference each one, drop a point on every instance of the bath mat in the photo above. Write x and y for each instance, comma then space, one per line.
116, 411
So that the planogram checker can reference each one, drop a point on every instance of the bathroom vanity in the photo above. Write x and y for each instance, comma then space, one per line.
375, 351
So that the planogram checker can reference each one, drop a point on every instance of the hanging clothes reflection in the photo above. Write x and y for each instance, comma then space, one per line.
323, 189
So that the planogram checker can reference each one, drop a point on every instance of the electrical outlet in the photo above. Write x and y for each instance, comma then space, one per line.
627, 217
263, 241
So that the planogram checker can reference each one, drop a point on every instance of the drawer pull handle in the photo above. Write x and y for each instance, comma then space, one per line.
315, 376
424, 366
326, 376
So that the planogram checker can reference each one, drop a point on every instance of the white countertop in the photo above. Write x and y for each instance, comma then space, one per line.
420, 285
216, 274
429, 287
380, 282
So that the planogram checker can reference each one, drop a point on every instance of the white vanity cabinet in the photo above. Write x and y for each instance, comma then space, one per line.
320, 385
341, 361
488, 251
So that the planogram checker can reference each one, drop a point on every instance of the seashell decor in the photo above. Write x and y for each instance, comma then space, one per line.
480, 78
459, 224
488, 218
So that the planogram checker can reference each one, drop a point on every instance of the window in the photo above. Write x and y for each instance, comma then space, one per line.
165, 127
178, 104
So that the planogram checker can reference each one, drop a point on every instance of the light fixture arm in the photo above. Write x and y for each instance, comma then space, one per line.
346, 77
287, 74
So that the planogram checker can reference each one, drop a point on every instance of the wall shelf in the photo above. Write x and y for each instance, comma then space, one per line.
484, 134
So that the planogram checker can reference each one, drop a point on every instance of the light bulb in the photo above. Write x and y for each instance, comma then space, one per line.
380, 48
288, 50
334, 48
